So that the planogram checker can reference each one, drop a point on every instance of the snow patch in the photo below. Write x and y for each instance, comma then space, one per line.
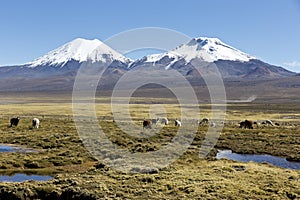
210, 50
156, 57
207, 49
79, 50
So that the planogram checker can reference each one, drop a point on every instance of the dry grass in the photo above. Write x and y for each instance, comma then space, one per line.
61, 152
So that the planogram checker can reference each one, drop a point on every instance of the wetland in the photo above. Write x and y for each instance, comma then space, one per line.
77, 174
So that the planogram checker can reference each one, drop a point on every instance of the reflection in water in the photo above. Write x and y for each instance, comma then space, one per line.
274, 160
23, 177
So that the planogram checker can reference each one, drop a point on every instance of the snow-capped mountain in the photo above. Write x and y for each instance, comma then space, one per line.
64, 61
79, 50
230, 61
210, 50
57, 69
206, 49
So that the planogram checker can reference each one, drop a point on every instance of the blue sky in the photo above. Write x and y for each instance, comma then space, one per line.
266, 29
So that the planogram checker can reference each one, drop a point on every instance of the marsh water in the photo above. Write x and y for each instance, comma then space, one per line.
23, 177
4, 148
19, 177
274, 160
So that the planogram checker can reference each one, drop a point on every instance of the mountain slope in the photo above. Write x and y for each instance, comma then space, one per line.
210, 50
204, 52
57, 69
79, 50
66, 60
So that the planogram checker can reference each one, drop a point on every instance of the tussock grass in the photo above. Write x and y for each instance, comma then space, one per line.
80, 176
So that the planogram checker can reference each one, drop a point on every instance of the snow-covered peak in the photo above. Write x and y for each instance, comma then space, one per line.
210, 49
207, 49
157, 57
173, 57
79, 50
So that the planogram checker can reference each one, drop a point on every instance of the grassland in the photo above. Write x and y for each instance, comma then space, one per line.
78, 175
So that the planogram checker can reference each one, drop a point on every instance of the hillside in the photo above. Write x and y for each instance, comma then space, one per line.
199, 58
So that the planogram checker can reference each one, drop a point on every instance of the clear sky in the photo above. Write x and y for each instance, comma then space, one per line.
266, 29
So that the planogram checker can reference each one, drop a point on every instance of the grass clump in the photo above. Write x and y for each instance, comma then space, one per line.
59, 151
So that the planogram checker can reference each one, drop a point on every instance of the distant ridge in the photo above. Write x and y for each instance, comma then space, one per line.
57, 69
